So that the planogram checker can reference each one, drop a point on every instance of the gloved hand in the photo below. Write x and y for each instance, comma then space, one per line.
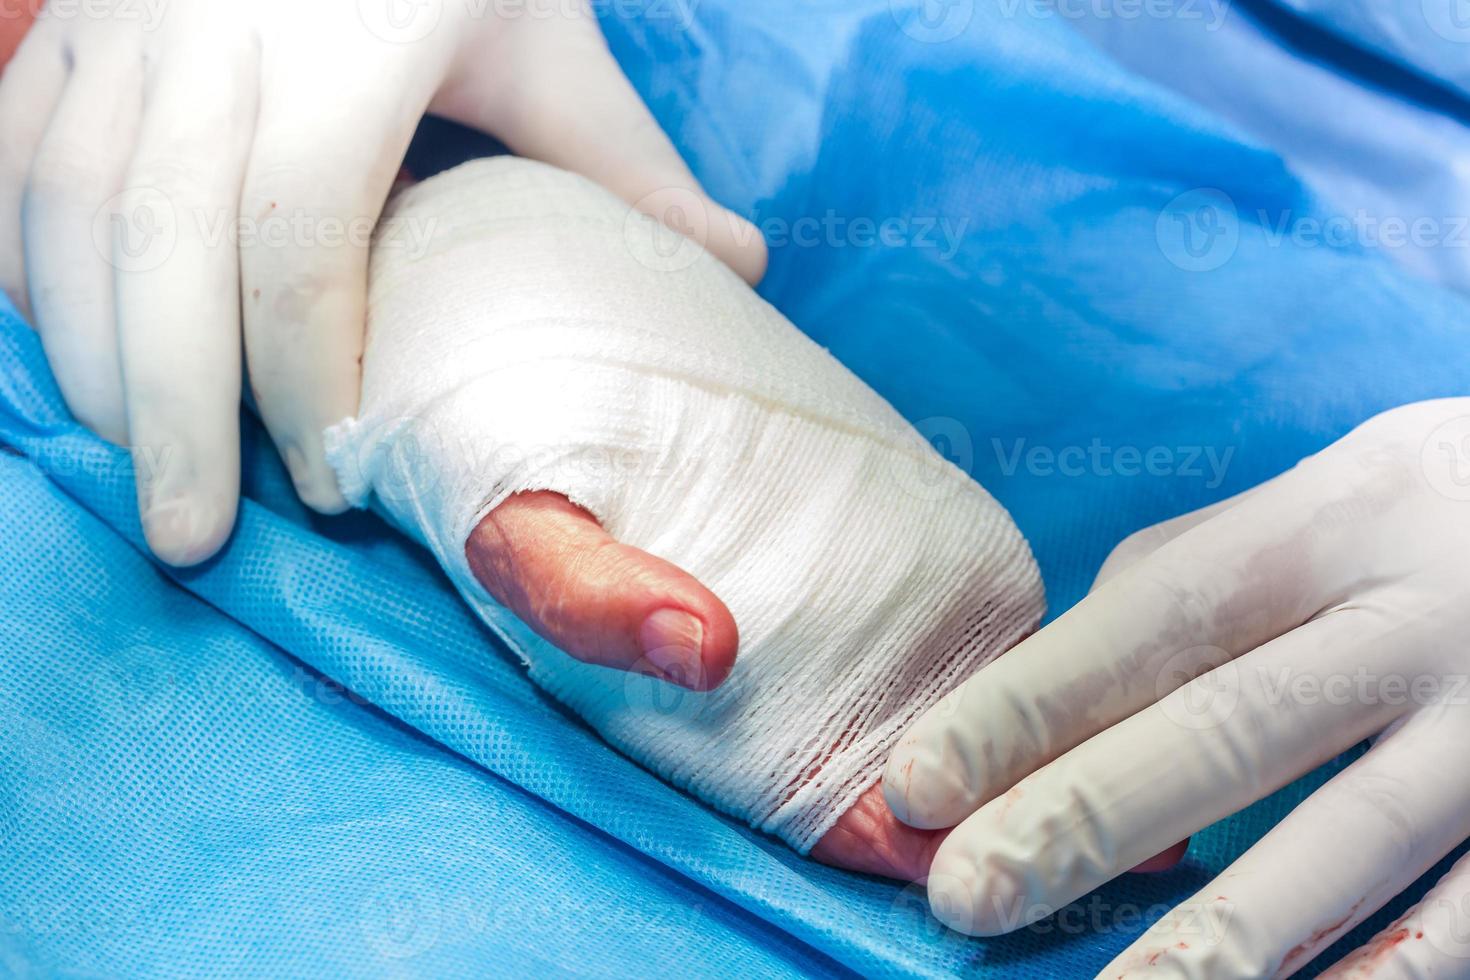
1222, 655
173, 176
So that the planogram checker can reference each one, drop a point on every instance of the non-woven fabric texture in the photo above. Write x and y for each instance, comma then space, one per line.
183, 790
868, 574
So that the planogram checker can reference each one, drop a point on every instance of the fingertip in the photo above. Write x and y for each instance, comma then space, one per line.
107, 425
740, 245
720, 644
978, 885
966, 902
600, 601
921, 790
868, 839
314, 481
322, 495
672, 641
185, 530
950, 901
1164, 860
689, 638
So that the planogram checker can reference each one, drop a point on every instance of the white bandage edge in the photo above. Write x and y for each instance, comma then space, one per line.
552, 338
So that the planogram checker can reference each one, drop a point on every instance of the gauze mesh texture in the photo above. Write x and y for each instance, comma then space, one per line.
550, 337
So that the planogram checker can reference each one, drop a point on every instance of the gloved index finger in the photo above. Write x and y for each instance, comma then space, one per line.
1210, 595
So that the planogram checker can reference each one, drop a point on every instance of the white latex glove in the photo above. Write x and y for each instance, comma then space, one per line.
139, 135
1224, 654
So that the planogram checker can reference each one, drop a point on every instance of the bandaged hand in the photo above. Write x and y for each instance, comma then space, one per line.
593, 422
178, 176
1222, 655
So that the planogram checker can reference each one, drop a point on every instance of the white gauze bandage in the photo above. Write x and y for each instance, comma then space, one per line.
551, 338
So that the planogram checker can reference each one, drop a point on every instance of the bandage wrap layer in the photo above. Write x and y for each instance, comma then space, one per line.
551, 338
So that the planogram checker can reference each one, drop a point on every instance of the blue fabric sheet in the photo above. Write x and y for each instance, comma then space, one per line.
1428, 37
1379, 143
305, 758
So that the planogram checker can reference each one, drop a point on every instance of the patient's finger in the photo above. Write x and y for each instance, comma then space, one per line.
603, 602
1165, 859
868, 838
